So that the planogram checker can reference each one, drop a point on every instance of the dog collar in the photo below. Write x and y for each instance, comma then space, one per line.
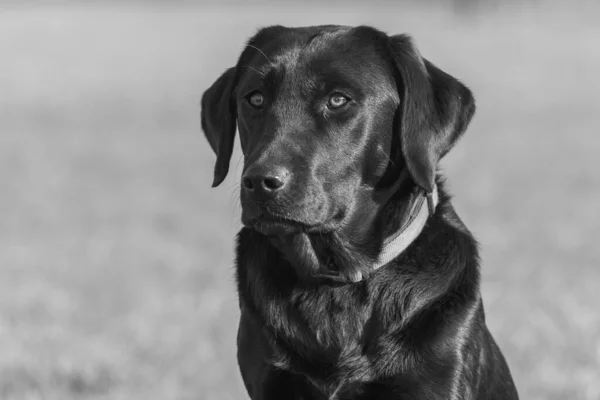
395, 244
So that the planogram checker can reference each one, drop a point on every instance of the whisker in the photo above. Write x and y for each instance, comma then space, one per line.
261, 52
254, 69
234, 201
235, 194
237, 166
391, 161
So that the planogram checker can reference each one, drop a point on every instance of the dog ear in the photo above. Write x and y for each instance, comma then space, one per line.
218, 117
435, 111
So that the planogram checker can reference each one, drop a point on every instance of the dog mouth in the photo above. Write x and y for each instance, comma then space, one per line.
270, 222
275, 225
270, 225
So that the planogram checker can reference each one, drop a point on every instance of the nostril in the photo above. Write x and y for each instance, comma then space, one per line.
273, 183
265, 181
247, 182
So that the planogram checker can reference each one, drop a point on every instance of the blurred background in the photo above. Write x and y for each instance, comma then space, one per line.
116, 274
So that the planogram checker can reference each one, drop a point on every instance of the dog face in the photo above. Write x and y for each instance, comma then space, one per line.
328, 116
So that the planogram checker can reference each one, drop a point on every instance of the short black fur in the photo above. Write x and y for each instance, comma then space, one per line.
413, 329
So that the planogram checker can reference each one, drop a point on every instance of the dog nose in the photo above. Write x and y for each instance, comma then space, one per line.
268, 181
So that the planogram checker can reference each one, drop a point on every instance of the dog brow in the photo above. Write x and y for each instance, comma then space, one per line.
261, 73
261, 52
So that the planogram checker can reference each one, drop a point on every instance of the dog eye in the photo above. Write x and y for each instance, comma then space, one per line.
337, 100
256, 99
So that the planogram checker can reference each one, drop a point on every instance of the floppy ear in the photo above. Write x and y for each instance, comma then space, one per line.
435, 111
218, 117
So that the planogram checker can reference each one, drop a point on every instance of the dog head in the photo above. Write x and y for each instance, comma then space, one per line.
327, 116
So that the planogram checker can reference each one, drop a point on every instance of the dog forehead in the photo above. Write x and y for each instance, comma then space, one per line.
336, 48
283, 42
321, 50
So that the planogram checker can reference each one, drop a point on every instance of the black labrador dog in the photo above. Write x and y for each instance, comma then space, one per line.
356, 277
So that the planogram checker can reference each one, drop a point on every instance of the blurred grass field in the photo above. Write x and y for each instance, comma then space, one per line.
116, 278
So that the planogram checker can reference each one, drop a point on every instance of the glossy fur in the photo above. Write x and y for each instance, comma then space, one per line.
414, 329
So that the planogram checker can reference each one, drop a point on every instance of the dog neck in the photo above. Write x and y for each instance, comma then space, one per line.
396, 243
371, 240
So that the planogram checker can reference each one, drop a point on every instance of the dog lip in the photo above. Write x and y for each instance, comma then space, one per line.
275, 225
276, 228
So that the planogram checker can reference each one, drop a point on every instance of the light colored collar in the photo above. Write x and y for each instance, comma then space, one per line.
395, 244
